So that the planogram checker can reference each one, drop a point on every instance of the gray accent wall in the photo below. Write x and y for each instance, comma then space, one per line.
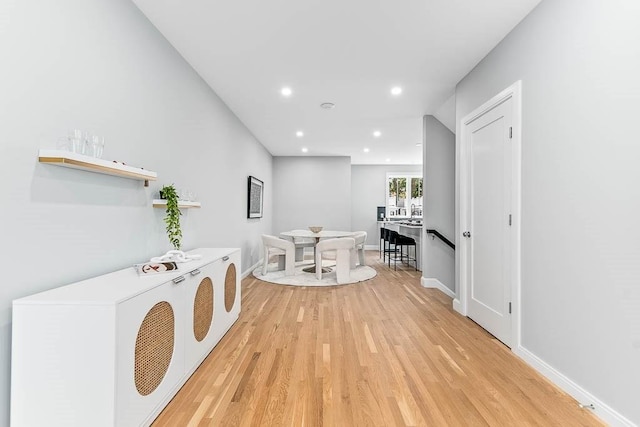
102, 67
579, 62
310, 191
368, 190
438, 259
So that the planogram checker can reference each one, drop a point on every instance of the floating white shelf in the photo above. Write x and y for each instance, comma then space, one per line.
182, 204
68, 159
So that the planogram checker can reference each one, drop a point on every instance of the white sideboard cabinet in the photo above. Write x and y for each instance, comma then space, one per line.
114, 350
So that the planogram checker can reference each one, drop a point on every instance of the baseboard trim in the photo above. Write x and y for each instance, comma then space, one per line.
246, 273
457, 306
602, 410
428, 282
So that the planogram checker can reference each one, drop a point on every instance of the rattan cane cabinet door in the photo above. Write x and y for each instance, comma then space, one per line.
200, 336
230, 288
150, 351
203, 309
154, 347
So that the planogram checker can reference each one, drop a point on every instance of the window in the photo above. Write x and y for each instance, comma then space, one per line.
404, 195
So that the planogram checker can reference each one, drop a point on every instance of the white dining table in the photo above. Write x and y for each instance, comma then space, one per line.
328, 234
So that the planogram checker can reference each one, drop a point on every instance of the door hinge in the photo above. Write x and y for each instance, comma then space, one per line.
509, 219
510, 132
509, 308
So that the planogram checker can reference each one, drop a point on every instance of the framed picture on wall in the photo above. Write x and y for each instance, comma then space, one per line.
256, 194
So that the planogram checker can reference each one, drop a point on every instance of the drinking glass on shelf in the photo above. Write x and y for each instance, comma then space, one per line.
97, 146
75, 134
78, 140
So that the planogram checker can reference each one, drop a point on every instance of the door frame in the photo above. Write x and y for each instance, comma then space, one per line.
460, 304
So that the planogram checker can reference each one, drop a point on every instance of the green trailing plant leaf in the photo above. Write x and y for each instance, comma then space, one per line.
172, 220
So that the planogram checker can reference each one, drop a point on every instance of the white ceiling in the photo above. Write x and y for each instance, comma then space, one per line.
349, 52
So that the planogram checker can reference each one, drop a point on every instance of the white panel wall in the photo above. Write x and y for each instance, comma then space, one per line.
438, 259
311, 191
102, 67
579, 63
368, 190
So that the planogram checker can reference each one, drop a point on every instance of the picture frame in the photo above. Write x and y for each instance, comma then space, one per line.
255, 197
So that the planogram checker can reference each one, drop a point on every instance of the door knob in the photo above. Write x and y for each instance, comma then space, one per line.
466, 234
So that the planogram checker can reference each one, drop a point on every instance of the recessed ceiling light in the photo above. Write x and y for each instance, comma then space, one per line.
377, 133
305, 149
286, 91
396, 90
387, 160
299, 134
327, 105
366, 150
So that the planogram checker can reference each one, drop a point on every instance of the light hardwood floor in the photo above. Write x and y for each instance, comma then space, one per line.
385, 352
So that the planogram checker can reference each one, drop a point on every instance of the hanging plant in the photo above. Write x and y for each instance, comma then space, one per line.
172, 220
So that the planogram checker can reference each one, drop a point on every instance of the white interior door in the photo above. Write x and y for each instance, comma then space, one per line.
488, 228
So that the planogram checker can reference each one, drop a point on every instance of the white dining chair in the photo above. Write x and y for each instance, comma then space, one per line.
285, 251
301, 243
342, 248
357, 253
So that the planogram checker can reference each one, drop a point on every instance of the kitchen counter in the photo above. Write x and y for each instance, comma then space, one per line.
407, 223
409, 229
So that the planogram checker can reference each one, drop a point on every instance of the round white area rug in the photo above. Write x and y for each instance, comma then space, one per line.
301, 278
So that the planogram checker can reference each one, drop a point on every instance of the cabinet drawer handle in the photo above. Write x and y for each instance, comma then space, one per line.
178, 280
225, 258
195, 272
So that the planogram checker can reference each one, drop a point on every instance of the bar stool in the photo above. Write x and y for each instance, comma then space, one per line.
407, 242
391, 238
386, 248
381, 242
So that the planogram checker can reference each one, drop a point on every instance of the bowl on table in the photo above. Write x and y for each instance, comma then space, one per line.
315, 229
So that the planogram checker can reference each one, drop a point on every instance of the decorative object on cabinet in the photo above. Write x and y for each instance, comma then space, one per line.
113, 350
72, 160
176, 256
255, 196
153, 267
172, 220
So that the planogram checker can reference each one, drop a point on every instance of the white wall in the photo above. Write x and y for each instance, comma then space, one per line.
579, 63
438, 259
101, 66
368, 190
446, 113
311, 191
